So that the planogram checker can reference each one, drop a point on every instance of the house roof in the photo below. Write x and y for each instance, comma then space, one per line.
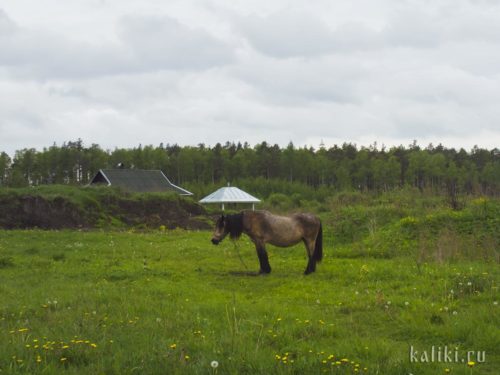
229, 194
137, 180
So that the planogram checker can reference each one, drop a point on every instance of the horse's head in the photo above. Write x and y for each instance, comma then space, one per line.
221, 230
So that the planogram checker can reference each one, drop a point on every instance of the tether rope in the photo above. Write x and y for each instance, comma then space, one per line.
239, 255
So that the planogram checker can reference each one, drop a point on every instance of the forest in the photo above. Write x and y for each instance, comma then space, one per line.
268, 168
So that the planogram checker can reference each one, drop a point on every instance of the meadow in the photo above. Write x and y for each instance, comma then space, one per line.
169, 302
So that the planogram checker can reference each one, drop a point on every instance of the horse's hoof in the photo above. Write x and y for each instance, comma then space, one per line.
264, 272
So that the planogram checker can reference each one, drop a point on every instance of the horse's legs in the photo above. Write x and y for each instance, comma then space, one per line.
311, 264
263, 260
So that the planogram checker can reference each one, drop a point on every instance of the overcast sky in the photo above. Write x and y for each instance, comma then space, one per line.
122, 72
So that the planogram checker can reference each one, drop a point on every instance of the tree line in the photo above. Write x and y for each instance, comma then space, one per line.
341, 168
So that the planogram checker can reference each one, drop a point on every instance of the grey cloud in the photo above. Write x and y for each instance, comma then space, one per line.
292, 34
287, 34
161, 41
410, 27
299, 81
147, 44
7, 26
425, 70
435, 25
30, 53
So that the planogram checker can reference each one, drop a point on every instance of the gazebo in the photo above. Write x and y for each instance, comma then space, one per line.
230, 194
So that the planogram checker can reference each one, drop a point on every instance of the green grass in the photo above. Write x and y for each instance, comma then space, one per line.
169, 302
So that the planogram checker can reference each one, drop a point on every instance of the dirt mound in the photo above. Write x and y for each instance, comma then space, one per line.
155, 212
35, 211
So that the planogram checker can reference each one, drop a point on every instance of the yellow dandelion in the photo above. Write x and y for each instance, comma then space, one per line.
278, 357
93, 345
279, 319
186, 357
63, 359
447, 370
471, 363
38, 359
65, 347
173, 346
338, 363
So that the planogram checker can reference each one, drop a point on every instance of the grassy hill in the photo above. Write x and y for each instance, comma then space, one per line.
423, 227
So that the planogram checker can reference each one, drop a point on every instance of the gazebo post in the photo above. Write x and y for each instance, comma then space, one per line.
253, 206
222, 206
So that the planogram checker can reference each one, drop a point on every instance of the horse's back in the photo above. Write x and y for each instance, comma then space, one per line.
281, 230
306, 219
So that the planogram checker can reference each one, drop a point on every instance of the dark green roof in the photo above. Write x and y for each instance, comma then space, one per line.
137, 180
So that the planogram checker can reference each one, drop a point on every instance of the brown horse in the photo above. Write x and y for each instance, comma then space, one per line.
263, 227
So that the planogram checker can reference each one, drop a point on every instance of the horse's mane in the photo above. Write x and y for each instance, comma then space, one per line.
235, 225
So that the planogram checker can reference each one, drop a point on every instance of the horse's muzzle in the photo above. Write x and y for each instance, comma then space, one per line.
215, 241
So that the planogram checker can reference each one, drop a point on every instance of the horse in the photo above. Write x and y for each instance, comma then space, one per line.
283, 231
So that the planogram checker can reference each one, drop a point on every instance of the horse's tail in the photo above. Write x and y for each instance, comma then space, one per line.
318, 248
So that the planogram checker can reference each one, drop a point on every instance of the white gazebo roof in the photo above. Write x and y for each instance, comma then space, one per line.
229, 194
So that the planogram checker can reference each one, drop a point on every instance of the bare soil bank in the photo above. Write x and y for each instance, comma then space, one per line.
20, 210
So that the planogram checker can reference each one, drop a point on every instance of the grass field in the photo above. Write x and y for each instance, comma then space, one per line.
169, 302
